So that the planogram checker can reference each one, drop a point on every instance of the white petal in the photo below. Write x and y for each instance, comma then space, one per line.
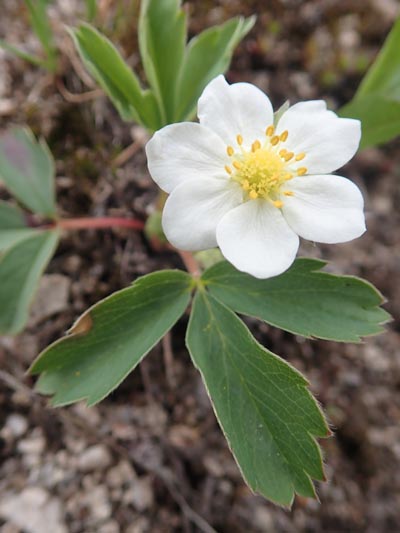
180, 152
240, 108
256, 239
327, 140
325, 209
193, 210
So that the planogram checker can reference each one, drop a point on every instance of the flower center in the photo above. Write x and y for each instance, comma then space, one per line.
261, 173
263, 170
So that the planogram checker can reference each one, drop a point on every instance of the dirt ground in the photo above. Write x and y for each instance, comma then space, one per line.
151, 458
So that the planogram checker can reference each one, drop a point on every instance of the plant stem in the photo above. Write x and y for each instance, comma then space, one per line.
98, 223
190, 263
117, 222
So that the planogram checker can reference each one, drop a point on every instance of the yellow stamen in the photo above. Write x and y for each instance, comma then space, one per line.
245, 185
288, 193
278, 204
301, 171
284, 136
288, 176
270, 131
274, 140
253, 195
239, 139
289, 156
237, 165
300, 156
228, 169
230, 151
283, 152
255, 146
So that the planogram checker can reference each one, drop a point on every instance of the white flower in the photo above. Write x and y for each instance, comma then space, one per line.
237, 182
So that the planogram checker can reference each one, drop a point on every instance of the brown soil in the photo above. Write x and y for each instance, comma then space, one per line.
151, 458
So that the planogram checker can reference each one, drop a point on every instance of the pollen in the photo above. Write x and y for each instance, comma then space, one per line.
261, 170
283, 136
270, 131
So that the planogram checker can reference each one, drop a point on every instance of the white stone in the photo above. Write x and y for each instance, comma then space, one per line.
34, 511
94, 458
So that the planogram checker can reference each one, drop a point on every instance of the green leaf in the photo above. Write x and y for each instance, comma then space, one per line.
377, 101
41, 26
379, 115
162, 39
91, 9
266, 412
35, 60
12, 226
21, 267
111, 338
384, 75
27, 169
106, 65
278, 114
207, 56
303, 300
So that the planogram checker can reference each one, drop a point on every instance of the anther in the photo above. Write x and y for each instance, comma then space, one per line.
288, 193
300, 156
270, 131
278, 204
239, 139
301, 171
237, 165
274, 140
255, 146
288, 156
253, 195
283, 136
283, 152
228, 169
287, 177
230, 151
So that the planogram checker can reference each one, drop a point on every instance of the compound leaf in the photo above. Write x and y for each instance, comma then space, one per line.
207, 56
263, 405
379, 115
303, 300
27, 169
21, 267
12, 226
377, 100
162, 39
118, 81
111, 338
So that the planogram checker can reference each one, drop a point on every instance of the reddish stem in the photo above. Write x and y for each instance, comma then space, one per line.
98, 223
116, 222
190, 263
